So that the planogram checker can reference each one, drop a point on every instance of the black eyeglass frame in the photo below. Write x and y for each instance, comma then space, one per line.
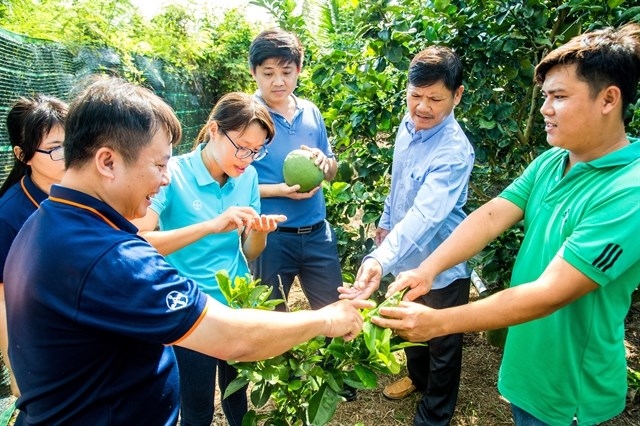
257, 155
51, 151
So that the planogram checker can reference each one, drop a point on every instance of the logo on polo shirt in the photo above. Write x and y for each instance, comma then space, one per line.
608, 257
197, 205
176, 300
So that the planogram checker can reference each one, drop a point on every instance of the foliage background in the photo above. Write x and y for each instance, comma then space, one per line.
357, 55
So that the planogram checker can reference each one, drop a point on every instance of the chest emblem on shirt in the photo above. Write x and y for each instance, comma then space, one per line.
608, 257
197, 205
176, 300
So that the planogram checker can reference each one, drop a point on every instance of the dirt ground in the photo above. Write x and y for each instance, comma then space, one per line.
479, 403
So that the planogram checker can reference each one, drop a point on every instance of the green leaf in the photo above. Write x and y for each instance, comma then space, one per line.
222, 277
237, 384
250, 418
368, 378
486, 124
322, 406
260, 394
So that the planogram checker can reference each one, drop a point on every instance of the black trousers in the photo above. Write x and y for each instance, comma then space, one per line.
435, 368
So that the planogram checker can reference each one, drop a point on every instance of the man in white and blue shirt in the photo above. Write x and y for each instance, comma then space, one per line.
432, 163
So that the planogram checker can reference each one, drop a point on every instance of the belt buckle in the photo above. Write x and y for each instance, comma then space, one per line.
304, 230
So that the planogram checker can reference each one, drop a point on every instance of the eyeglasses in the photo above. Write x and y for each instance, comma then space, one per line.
56, 153
244, 152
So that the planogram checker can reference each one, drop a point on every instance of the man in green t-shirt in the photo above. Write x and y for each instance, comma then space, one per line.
564, 359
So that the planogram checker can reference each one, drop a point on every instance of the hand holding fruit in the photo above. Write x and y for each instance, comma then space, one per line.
321, 160
303, 168
294, 193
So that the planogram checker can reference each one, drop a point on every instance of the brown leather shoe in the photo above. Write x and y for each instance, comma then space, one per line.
399, 389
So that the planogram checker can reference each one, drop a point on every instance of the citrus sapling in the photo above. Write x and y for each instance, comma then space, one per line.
304, 384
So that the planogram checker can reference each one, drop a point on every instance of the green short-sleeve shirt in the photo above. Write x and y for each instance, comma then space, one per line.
572, 362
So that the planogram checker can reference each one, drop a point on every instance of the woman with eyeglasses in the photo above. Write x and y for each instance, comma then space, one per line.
208, 221
35, 126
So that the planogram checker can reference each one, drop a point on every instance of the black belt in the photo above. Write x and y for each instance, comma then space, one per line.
302, 229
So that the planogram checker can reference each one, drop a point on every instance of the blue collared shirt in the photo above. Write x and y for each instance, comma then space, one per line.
193, 196
305, 128
16, 205
429, 186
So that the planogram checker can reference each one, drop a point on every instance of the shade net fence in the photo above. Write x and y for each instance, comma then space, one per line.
29, 66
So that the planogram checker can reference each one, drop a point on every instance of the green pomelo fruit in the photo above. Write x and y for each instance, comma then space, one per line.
300, 169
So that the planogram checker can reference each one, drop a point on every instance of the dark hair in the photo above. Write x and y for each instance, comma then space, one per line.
435, 64
237, 111
275, 43
29, 121
606, 57
111, 112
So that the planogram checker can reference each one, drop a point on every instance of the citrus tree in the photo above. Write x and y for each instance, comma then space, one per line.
357, 77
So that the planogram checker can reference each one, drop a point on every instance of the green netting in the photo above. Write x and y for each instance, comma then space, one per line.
31, 65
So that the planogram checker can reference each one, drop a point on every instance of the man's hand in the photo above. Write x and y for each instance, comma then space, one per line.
343, 318
418, 284
413, 322
381, 234
322, 161
292, 191
367, 281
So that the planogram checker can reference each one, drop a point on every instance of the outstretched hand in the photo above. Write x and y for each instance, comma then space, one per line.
267, 222
234, 218
411, 321
367, 281
344, 319
418, 285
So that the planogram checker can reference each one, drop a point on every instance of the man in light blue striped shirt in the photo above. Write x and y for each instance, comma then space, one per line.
432, 163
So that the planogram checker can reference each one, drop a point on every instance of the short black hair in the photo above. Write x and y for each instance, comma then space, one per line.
606, 57
115, 113
275, 43
434, 64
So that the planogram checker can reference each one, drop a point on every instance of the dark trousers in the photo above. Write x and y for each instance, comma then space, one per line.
312, 257
198, 386
435, 369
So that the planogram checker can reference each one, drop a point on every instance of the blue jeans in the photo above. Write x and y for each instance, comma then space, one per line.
523, 418
313, 257
198, 386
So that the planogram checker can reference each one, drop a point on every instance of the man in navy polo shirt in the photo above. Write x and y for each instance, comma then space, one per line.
93, 309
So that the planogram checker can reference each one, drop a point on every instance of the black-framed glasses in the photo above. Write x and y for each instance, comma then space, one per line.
56, 153
244, 152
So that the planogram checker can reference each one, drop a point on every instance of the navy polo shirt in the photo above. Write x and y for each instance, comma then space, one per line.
16, 205
90, 308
